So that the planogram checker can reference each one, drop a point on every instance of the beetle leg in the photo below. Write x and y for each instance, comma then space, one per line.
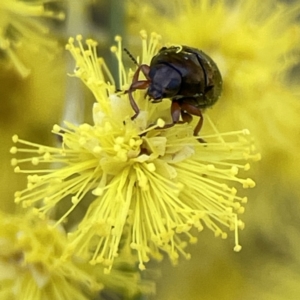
138, 85
193, 110
175, 111
186, 118
141, 68
133, 105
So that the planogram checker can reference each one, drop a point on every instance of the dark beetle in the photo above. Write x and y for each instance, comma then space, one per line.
186, 75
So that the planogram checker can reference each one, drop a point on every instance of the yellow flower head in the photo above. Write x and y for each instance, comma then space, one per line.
30, 262
153, 183
18, 26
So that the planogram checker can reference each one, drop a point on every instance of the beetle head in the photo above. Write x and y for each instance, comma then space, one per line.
165, 82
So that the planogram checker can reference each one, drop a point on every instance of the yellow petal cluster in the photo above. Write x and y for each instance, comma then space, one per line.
30, 262
152, 186
17, 25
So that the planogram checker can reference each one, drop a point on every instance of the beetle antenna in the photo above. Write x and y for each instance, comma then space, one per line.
131, 56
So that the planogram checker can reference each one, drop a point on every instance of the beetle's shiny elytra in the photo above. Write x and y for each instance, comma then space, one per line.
186, 75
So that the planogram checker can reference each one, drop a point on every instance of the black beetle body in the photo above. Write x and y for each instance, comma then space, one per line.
186, 75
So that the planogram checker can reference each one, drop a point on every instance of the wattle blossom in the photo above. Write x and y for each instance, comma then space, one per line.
30, 262
18, 26
151, 186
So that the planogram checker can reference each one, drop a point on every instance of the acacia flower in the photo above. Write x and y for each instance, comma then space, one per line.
30, 262
153, 183
17, 25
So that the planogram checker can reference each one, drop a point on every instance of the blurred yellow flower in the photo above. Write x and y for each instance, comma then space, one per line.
154, 183
30, 262
33, 265
17, 26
